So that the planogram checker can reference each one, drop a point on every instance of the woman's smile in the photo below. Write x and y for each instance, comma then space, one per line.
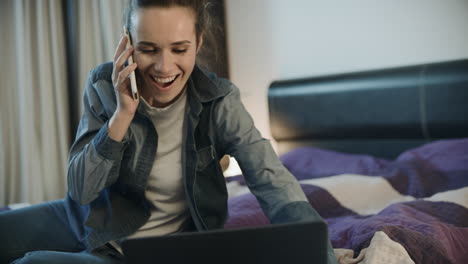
163, 83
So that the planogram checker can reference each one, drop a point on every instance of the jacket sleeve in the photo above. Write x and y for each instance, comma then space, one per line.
94, 159
276, 189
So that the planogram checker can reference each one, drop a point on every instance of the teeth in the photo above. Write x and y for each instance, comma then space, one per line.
164, 80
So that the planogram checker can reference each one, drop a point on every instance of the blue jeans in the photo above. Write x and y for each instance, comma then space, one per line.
42, 234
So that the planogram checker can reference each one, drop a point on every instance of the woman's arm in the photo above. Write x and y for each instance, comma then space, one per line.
94, 159
276, 189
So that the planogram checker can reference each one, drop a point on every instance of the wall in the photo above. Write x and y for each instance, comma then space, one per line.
275, 39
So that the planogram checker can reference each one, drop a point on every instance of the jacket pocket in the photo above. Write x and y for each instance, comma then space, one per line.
206, 156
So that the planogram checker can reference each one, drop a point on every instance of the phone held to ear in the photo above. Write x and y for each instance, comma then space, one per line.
130, 61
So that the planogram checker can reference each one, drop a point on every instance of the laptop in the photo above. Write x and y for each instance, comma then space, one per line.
292, 243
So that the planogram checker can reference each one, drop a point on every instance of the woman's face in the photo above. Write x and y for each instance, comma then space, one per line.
165, 50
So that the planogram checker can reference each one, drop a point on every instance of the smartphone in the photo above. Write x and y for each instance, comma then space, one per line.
130, 61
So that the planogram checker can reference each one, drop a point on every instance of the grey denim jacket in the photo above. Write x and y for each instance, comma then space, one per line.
107, 179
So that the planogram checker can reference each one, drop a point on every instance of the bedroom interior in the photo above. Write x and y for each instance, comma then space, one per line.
367, 105
389, 172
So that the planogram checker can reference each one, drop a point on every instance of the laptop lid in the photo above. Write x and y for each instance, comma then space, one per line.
293, 243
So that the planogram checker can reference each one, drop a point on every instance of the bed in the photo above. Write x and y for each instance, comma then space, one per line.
382, 155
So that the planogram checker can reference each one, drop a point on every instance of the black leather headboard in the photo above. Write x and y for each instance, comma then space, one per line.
380, 112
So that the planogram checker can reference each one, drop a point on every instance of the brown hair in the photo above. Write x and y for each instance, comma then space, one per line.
200, 7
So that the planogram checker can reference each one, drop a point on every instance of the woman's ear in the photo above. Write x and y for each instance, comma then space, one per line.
200, 43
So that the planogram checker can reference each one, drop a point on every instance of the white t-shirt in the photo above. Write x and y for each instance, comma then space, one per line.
165, 189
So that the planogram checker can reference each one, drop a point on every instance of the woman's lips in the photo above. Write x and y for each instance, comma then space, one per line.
164, 83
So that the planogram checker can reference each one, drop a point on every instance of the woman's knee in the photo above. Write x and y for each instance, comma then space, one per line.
36, 228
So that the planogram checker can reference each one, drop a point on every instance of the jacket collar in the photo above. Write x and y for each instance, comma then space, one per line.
204, 87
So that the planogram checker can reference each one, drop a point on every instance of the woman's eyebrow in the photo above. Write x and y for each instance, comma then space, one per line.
147, 43
182, 42
177, 43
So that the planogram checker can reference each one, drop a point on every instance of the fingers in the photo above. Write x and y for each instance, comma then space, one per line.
120, 57
126, 72
120, 47
122, 78
123, 58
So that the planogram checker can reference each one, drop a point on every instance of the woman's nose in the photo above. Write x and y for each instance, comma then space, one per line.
163, 62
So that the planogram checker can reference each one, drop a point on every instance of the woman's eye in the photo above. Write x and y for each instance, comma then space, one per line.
180, 51
148, 51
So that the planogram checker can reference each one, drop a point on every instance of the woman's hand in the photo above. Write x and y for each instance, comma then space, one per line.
121, 81
126, 106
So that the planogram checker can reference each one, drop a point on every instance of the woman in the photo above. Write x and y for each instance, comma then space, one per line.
150, 167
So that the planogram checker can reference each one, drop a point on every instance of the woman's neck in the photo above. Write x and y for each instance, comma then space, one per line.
152, 100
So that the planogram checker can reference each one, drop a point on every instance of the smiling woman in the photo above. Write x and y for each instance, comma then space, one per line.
150, 167
166, 45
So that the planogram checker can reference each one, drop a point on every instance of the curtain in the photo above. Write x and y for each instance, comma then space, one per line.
48, 47
98, 27
34, 137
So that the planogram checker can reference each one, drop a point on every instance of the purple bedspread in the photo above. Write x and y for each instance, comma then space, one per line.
431, 224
